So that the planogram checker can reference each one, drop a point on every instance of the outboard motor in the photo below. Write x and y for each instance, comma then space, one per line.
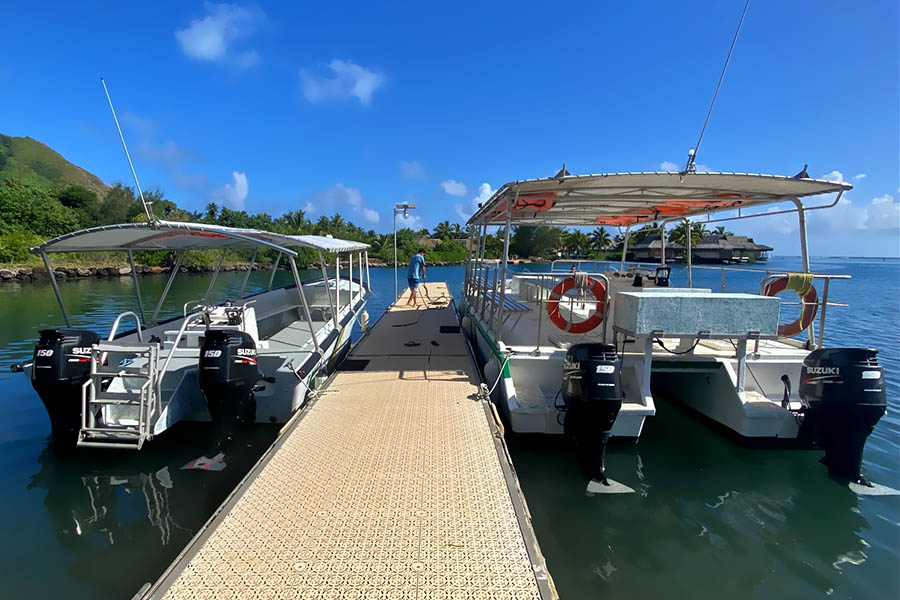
62, 363
592, 392
662, 276
844, 391
228, 374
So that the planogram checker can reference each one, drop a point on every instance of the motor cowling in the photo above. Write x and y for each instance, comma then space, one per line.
228, 373
62, 363
592, 392
843, 389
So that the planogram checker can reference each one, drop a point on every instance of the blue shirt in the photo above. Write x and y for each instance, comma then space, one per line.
416, 265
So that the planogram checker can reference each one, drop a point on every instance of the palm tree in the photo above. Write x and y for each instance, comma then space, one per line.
600, 238
575, 242
698, 230
678, 234
720, 230
443, 230
456, 231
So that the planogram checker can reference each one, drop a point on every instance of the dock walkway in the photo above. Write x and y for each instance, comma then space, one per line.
395, 483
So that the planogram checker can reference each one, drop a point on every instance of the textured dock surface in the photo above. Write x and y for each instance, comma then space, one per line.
394, 484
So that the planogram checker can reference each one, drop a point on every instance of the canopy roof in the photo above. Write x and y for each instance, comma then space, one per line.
175, 235
630, 198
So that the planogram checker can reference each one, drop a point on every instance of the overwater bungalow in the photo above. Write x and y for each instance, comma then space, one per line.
729, 248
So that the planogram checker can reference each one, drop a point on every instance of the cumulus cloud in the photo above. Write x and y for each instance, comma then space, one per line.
454, 188
411, 220
340, 80
412, 169
309, 207
484, 193
233, 194
211, 37
669, 167
860, 176
166, 153
834, 176
340, 196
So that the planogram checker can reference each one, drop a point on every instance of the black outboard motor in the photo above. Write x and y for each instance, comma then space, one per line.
662, 276
844, 391
228, 375
62, 363
592, 391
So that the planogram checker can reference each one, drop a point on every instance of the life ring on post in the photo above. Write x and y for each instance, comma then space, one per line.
597, 289
809, 306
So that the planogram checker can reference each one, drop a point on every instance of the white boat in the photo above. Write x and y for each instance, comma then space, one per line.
723, 355
253, 358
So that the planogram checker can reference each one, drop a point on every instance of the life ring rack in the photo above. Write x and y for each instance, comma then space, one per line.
597, 288
809, 302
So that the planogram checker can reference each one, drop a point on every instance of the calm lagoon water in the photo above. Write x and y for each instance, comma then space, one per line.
709, 518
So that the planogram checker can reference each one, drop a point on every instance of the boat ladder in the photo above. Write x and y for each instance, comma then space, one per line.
120, 403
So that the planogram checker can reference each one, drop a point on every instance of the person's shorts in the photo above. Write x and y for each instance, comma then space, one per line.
413, 284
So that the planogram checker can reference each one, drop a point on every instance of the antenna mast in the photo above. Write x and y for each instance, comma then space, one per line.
147, 210
692, 153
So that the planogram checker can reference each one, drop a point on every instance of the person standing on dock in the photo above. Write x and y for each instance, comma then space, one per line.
415, 274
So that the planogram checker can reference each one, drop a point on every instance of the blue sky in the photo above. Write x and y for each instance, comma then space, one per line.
352, 107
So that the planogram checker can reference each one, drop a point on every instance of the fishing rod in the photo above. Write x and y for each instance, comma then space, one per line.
147, 209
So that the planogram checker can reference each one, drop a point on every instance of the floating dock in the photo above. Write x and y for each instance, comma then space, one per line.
394, 483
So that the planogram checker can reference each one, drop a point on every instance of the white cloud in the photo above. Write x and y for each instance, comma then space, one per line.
233, 194
412, 169
168, 153
210, 38
454, 188
371, 216
338, 196
834, 176
412, 221
347, 79
484, 193
669, 167
860, 176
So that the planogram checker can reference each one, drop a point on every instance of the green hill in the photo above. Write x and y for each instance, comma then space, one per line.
26, 159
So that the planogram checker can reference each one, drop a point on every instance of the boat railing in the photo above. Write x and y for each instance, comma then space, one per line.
115, 326
190, 319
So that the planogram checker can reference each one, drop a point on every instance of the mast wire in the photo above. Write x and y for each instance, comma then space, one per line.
692, 156
147, 209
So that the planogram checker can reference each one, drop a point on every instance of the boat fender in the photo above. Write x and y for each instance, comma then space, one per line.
364, 321
467, 324
491, 370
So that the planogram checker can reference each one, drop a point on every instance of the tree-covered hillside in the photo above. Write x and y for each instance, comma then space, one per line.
28, 160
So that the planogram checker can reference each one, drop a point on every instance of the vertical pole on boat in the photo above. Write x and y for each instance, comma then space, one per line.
274, 270
350, 279
804, 255
625, 248
137, 287
481, 272
299, 285
396, 289
662, 237
55, 285
742, 364
468, 259
493, 299
212, 281
503, 268
337, 281
687, 236
822, 317
249, 270
334, 315
162, 298
368, 275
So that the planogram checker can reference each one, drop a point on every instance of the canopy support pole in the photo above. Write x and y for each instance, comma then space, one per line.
687, 244
249, 270
368, 275
162, 298
274, 270
481, 273
804, 249
662, 237
299, 285
503, 268
55, 285
334, 315
137, 287
625, 247
212, 282
337, 281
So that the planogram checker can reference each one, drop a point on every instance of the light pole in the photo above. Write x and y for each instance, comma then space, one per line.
399, 208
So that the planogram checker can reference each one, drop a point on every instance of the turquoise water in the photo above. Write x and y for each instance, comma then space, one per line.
709, 518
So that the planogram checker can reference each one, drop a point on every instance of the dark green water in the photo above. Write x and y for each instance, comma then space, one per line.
709, 518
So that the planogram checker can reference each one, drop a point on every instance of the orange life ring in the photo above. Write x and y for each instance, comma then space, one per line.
597, 289
809, 303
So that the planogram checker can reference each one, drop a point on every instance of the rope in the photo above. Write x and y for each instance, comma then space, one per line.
689, 167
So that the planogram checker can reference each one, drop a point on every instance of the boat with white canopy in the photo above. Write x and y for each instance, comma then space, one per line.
250, 358
576, 350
